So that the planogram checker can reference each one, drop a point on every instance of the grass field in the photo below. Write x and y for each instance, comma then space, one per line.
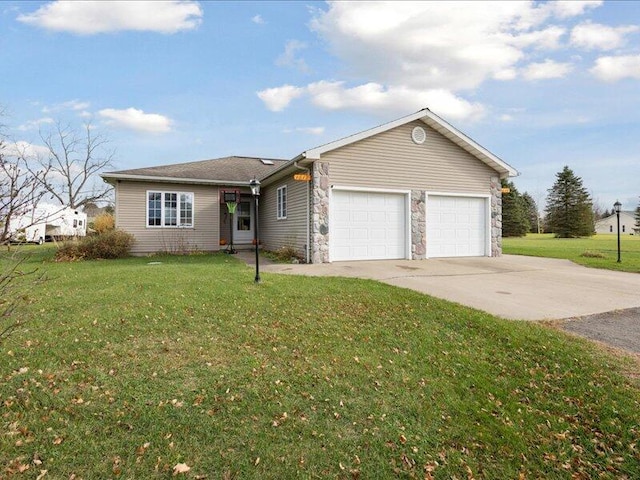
599, 251
132, 369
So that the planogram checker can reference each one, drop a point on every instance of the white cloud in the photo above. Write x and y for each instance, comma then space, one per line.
373, 98
289, 57
258, 20
547, 39
429, 45
88, 18
612, 69
135, 119
571, 8
546, 70
35, 123
308, 130
506, 74
595, 36
399, 56
75, 105
278, 98
24, 149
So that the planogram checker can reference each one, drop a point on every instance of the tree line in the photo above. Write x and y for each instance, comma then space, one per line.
569, 211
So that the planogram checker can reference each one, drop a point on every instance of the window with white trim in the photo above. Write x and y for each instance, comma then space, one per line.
169, 209
282, 203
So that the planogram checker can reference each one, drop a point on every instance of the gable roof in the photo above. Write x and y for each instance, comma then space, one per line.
433, 121
217, 171
624, 213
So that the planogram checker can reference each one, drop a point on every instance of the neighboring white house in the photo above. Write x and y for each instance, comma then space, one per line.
47, 222
610, 223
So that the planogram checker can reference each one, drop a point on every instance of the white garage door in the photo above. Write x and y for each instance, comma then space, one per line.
367, 225
456, 226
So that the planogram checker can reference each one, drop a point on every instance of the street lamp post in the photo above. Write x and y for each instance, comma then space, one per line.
255, 191
618, 207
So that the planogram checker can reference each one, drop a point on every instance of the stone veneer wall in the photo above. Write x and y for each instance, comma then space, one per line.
418, 225
496, 217
320, 209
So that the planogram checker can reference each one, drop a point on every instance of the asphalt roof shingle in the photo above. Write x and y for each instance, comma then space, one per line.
226, 169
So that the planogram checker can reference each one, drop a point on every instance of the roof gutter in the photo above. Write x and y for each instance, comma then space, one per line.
107, 177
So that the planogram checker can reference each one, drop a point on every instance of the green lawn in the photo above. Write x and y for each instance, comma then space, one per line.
580, 250
126, 369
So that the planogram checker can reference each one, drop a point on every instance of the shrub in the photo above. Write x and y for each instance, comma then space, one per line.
104, 222
110, 244
285, 254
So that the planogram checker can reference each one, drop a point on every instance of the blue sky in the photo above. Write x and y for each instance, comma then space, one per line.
540, 84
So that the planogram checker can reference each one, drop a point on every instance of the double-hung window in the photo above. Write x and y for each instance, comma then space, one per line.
282, 203
169, 209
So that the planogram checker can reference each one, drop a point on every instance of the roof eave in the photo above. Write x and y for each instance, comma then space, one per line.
152, 178
273, 176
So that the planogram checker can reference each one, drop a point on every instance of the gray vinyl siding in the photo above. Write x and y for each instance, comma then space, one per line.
291, 231
131, 216
392, 160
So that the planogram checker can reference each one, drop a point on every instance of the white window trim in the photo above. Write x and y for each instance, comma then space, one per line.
281, 213
162, 225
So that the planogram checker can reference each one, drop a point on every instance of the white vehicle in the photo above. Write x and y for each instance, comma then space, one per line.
48, 222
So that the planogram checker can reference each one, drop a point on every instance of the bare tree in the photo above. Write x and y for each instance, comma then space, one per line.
72, 164
20, 190
598, 210
15, 284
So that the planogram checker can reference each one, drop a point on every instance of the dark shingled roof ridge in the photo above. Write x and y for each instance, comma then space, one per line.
229, 169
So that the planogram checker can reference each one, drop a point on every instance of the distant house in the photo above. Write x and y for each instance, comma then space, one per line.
610, 223
412, 188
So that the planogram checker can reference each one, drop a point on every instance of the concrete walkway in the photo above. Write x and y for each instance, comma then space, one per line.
514, 287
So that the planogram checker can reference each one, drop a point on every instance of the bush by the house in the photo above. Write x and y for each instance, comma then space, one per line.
285, 254
110, 244
104, 222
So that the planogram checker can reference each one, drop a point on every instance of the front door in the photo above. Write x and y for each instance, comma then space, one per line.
243, 224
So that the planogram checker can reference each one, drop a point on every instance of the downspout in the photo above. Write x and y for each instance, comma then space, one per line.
308, 243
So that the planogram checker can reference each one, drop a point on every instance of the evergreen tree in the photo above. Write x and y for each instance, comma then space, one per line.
569, 212
515, 222
532, 213
637, 225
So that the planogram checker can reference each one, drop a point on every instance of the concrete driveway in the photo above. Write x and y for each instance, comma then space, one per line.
514, 287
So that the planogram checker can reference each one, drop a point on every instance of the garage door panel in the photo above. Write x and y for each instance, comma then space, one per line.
456, 226
367, 225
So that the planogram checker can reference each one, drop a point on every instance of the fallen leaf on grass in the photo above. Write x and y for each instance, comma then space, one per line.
180, 468
42, 474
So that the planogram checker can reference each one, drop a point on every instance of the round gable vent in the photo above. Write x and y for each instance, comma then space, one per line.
418, 135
